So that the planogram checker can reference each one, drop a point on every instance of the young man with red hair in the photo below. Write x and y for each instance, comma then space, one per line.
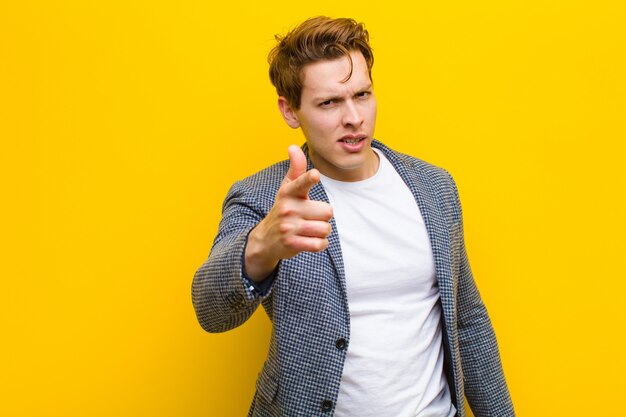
356, 252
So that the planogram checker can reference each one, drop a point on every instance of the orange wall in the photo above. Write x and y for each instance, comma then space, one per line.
123, 124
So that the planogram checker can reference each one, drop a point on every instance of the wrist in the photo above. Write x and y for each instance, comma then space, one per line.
258, 260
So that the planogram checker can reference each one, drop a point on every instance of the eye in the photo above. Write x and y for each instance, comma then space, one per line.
327, 103
363, 94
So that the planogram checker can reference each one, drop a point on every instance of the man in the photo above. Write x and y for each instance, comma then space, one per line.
356, 253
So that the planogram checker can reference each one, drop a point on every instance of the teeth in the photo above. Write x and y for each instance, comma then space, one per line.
352, 141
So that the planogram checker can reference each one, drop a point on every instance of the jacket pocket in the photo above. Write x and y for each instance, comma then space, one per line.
267, 384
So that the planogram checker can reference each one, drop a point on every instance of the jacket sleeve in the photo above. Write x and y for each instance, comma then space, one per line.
485, 386
222, 297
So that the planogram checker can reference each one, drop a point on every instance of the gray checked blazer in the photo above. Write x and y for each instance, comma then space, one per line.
308, 307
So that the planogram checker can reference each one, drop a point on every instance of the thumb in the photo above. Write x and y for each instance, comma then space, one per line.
297, 163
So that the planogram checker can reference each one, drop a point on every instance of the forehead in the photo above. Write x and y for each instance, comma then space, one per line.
330, 76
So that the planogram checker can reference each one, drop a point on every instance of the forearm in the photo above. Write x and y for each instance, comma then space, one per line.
485, 384
220, 297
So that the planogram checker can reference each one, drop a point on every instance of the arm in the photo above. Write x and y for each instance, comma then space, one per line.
222, 298
485, 385
251, 242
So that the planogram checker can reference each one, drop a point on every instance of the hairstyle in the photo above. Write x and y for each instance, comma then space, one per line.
316, 39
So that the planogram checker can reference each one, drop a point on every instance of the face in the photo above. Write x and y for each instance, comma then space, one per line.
337, 118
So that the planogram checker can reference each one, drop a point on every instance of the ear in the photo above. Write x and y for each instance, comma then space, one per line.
289, 114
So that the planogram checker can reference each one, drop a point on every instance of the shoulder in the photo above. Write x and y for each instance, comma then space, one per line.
424, 178
409, 163
259, 188
268, 178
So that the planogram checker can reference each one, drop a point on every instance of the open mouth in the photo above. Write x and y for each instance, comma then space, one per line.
353, 144
352, 140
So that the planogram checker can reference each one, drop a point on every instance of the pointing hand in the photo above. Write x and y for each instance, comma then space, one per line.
294, 224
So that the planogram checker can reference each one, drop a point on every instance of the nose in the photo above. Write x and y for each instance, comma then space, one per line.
351, 115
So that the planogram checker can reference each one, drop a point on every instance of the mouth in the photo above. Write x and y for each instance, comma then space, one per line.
353, 144
352, 139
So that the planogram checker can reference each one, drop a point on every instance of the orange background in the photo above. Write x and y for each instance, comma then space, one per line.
123, 124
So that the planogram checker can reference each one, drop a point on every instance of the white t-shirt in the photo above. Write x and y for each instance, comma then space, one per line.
394, 362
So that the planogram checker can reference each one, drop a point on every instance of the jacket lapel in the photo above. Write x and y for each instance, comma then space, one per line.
426, 194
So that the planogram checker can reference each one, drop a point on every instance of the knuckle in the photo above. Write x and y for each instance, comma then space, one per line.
282, 192
284, 227
287, 241
285, 210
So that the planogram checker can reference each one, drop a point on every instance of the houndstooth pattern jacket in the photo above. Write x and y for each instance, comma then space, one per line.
308, 307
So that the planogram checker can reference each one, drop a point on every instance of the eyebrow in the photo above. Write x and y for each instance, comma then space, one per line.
335, 97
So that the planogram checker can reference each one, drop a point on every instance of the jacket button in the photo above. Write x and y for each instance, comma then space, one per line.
340, 343
327, 405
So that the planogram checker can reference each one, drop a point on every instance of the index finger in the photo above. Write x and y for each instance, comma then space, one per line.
301, 186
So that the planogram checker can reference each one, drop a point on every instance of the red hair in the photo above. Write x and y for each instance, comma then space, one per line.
316, 39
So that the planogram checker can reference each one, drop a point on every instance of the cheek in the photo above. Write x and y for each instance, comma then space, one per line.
322, 126
373, 111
